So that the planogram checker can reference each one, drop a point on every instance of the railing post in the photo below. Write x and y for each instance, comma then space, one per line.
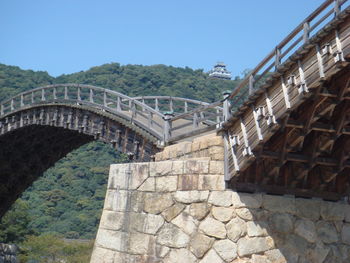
132, 108
22, 100
186, 106
306, 34
218, 115
226, 111
277, 57
251, 84
336, 7
91, 96
43, 95
143, 101
105, 99
119, 108
156, 107
167, 125
2, 109
78, 94
195, 120
32, 97
149, 119
12, 105
130, 105
171, 105
66, 93
54, 93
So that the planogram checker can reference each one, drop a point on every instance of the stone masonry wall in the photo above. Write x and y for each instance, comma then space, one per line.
8, 253
180, 211
210, 145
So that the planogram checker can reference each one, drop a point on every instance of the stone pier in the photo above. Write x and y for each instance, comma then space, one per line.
177, 209
8, 253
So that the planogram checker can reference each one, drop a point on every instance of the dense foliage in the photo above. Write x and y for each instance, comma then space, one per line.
15, 225
54, 249
68, 198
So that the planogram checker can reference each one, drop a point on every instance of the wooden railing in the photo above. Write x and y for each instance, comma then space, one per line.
184, 117
176, 105
172, 118
162, 116
95, 97
299, 37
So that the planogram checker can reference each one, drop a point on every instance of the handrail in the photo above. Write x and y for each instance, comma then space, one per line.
95, 88
172, 98
207, 114
114, 102
137, 110
276, 55
198, 110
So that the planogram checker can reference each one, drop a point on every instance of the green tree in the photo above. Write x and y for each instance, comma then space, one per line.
54, 249
14, 226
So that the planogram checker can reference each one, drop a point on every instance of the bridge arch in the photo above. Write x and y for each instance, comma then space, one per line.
40, 126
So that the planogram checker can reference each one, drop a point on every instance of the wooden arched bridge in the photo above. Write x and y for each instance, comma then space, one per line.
286, 126
40, 126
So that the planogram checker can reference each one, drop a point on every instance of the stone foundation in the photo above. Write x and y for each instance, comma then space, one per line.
8, 253
211, 146
180, 211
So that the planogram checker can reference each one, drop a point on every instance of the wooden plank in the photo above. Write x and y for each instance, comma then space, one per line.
319, 61
257, 125
233, 141
285, 94
281, 190
247, 150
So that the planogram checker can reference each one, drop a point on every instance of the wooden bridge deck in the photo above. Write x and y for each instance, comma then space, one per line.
291, 135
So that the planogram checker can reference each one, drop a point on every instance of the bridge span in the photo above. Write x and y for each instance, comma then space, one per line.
282, 137
40, 126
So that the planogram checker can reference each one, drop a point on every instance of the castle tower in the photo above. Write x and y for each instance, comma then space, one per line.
219, 72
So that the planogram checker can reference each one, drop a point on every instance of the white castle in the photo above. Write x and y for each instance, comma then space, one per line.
219, 72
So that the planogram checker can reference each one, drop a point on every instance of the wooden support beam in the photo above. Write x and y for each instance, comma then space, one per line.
310, 113
302, 87
338, 57
343, 90
319, 62
118, 139
257, 117
125, 139
270, 117
282, 190
232, 142
247, 150
285, 94
340, 117
283, 149
142, 149
295, 157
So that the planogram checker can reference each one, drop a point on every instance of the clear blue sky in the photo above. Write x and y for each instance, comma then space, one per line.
66, 36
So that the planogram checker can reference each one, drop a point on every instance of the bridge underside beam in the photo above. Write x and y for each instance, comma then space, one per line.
309, 155
33, 139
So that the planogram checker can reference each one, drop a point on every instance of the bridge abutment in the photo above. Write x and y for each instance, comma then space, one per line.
180, 211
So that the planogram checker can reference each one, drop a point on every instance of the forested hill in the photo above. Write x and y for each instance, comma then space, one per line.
68, 198
131, 80
137, 80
